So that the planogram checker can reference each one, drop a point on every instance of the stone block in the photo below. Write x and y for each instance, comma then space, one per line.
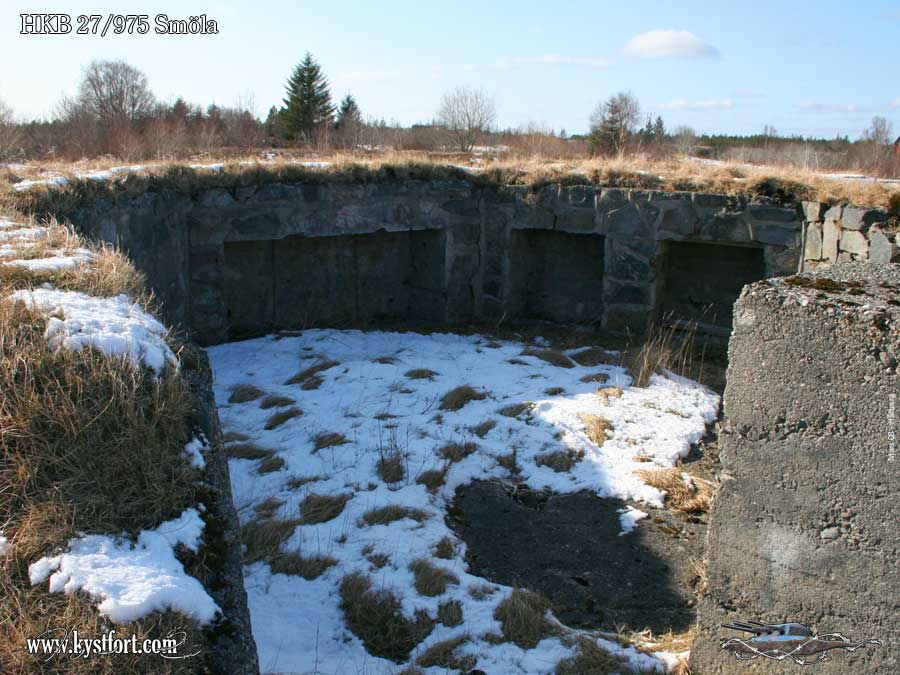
855, 242
813, 250
831, 236
627, 264
776, 234
861, 218
814, 211
626, 223
835, 212
882, 247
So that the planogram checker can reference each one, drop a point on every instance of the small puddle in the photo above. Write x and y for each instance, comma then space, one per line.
568, 548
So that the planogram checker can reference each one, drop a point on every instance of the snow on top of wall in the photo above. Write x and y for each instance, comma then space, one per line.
54, 262
116, 326
132, 580
193, 451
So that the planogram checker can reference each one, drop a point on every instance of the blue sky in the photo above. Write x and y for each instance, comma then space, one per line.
812, 68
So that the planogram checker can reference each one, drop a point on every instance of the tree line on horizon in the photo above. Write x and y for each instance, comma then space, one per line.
114, 112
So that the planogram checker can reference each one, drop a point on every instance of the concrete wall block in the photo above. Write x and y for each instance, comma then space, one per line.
882, 247
831, 236
861, 218
854, 242
813, 211
813, 249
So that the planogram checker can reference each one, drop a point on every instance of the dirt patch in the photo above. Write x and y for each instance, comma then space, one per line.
568, 549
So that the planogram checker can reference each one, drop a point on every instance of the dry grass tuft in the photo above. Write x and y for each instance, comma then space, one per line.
304, 376
309, 568
516, 409
522, 617
317, 508
388, 514
664, 348
248, 450
684, 493
551, 356
311, 383
510, 462
606, 393
390, 466
243, 393
431, 580
442, 655
554, 391
457, 398
482, 590
386, 360
328, 440
270, 465
263, 538
421, 374
274, 401
559, 460
268, 507
482, 429
281, 417
457, 452
432, 479
450, 613
376, 618
590, 660
297, 482
599, 378
598, 429
233, 436
445, 548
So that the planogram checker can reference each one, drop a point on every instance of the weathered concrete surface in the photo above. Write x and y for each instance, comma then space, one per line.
805, 526
232, 649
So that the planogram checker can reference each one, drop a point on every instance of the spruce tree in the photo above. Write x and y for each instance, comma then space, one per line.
307, 105
348, 113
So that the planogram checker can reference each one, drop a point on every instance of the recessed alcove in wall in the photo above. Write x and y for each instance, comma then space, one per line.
556, 276
299, 282
701, 281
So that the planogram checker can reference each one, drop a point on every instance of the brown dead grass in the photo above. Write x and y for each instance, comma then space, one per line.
328, 440
517, 410
450, 613
282, 416
376, 618
248, 450
431, 580
304, 376
591, 660
443, 655
275, 401
599, 378
308, 567
597, 428
665, 348
421, 374
270, 465
680, 496
510, 462
456, 399
522, 617
243, 393
592, 356
388, 514
559, 461
445, 548
606, 393
483, 428
554, 391
316, 508
457, 452
551, 356
390, 466
432, 479
263, 537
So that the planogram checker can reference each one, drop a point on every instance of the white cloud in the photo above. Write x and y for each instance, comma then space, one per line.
509, 63
895, 103
664, 43
819, 107
706, 104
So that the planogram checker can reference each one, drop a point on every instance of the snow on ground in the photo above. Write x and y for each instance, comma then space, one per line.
116, 326
367, 397
193, 451
54, 262
628, 518
132, 580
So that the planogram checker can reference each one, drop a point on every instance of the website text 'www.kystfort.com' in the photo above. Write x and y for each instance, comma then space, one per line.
63, 643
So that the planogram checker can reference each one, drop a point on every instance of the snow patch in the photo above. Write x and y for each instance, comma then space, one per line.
116, 326
55, 262
132, 580
628, 518
193, 451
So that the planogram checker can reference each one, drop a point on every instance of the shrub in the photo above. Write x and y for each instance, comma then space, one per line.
450, 613
457, 452
432, 479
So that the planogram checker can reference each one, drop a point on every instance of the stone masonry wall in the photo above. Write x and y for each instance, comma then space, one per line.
179, 240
